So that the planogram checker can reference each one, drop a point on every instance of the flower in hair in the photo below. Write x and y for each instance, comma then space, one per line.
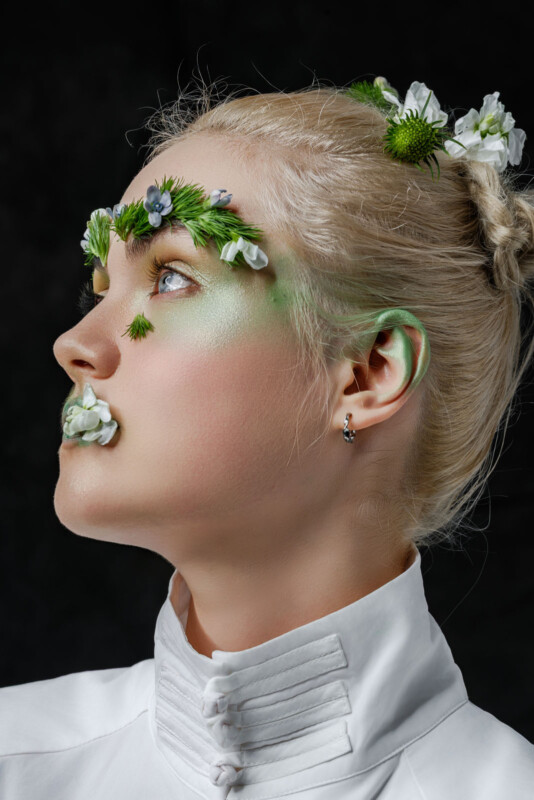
420, 100
252, 254
157, 204
488, 135
416, 127
217, 200
90, 419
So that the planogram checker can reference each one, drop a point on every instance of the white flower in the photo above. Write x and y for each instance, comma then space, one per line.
416, 98
91, 421
252, 254
98, 212
488, 135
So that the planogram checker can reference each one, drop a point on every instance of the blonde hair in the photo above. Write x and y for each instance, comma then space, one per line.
370, 234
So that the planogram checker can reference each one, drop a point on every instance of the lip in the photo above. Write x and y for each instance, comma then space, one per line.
73, 399
73, 442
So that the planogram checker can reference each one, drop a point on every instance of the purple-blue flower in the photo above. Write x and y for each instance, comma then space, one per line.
116, 211
157, 205
217, 200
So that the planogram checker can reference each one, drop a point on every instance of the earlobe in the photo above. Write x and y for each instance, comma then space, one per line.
397, 360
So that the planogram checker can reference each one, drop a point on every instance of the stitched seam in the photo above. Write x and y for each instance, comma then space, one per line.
423, 795
74, 746
292, 669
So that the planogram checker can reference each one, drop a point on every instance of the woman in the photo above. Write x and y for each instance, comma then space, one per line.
286, 427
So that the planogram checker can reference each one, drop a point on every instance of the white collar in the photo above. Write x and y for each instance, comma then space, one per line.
320, 703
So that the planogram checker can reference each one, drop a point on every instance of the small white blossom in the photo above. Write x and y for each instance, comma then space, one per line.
488, 135
416, 98
252, 254
91, 421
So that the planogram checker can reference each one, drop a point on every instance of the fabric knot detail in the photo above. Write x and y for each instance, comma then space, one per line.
222, 773
213, 703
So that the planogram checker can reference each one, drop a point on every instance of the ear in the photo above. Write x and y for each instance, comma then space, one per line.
396, 359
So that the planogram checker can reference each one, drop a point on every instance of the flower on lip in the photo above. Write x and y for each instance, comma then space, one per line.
89, 420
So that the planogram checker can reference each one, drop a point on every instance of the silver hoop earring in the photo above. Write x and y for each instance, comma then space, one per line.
348, 433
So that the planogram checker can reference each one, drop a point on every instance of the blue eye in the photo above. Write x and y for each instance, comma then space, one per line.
173, 280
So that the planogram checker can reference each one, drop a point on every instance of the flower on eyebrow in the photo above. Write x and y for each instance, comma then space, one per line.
157, 205
252, 254
217, 200
116, 211
90, 420
95, 240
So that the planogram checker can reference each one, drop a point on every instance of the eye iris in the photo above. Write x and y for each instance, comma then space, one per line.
170, 275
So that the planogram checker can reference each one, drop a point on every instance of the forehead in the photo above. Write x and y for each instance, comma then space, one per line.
213, 162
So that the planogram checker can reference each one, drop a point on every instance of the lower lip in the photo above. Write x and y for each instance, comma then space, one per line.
69, 443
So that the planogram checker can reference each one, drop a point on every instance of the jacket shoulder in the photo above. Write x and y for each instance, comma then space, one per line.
472, 755
54, 714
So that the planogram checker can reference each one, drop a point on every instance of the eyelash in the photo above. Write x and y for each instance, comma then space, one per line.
89, 299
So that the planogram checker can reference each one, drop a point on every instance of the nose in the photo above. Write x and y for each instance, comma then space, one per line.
87, 352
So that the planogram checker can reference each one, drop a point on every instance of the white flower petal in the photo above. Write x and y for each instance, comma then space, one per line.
392, 98
102, 408
91, 436
107, 432
258, 260
89, 397
229, 251
467, 122
516, 141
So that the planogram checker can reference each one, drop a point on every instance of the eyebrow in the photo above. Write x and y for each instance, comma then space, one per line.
138, 247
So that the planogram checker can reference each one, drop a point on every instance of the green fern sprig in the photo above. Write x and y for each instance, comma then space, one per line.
194, 211
369, 93
139, 328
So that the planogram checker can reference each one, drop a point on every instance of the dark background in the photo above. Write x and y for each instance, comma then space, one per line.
75, 97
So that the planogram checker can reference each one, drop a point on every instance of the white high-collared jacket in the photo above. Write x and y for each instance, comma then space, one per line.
365, 703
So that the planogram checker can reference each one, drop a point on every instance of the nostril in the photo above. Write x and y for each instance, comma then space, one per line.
79, 363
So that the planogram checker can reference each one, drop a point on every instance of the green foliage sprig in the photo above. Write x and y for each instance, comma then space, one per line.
194, 211
139, 328
370, 93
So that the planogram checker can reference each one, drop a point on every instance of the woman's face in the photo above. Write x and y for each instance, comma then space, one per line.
208, 401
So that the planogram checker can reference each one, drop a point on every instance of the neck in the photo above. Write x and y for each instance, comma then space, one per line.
242, 606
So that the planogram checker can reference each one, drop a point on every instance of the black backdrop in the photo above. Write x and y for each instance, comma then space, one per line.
71, 92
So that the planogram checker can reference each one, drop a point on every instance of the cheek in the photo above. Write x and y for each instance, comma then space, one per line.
215, 415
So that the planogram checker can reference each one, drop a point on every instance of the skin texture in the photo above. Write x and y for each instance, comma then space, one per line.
268, 533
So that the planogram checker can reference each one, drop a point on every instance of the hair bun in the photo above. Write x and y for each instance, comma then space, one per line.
506, 224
